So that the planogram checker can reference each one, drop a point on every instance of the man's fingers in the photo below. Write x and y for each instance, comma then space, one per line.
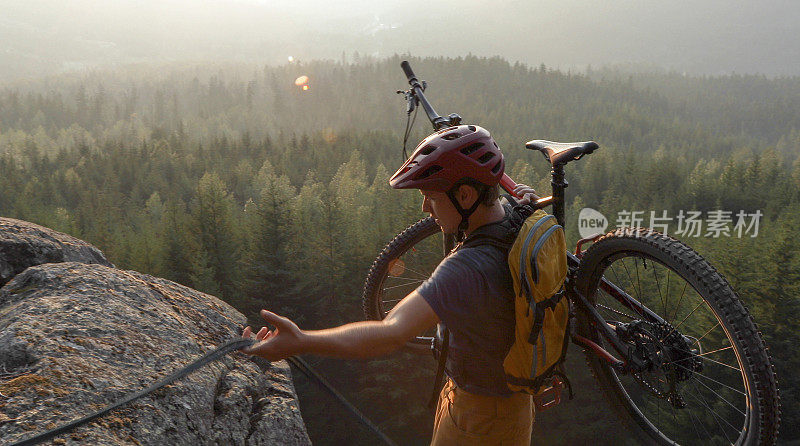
261, 333
246, 334
526, 193
274, 319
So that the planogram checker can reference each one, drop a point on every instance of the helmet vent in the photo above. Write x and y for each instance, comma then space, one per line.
471, 128
451, 136
496, 168
471, 148
428, 172
427, 150
486, 157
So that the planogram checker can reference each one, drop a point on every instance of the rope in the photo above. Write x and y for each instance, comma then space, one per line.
309, 372
218, 353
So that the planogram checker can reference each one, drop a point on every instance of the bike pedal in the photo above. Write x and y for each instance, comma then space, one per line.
550, 396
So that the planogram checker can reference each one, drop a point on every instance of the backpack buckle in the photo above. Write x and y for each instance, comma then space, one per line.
550, 396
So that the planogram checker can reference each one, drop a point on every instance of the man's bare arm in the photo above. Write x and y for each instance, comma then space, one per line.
356, 340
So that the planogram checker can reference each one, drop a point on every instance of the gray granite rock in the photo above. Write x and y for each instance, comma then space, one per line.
24, 244
75, 337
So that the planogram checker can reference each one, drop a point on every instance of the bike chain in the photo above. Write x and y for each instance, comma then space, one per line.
638, 376
617, 311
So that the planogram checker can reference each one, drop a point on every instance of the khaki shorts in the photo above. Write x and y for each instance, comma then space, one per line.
464, 418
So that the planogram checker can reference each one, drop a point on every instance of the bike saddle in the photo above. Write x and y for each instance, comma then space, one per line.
562, 152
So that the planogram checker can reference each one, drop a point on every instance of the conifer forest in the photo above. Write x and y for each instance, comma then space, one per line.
233, 180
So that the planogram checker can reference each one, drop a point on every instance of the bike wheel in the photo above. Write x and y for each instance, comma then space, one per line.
401, 267
710, 379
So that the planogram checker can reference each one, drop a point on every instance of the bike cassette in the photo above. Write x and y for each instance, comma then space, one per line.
668, 355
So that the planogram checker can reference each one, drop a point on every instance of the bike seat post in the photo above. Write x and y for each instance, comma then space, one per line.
559, 183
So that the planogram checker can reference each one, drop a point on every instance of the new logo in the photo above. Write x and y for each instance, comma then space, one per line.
591, 222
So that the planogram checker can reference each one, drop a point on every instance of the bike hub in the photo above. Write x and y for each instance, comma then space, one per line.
668, 356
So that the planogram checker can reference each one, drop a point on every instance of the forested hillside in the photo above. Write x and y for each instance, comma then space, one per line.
234, 181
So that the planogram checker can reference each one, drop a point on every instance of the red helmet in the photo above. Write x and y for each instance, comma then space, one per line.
450, 155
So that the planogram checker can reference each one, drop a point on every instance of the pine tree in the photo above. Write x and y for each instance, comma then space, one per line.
179, 247
219, 246
268, 267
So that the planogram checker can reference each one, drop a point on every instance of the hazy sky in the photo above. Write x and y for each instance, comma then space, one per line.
701, 36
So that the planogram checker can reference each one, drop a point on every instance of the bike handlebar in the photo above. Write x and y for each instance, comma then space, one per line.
440, 122
412, 79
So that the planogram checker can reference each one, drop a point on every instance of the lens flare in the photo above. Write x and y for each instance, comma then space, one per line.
397, 267
300, 81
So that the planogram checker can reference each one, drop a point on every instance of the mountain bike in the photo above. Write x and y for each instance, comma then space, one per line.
676, 353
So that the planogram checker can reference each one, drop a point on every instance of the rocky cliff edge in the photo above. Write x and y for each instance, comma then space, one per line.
78, 335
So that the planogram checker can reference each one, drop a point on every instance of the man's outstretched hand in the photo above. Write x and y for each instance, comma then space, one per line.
284, 341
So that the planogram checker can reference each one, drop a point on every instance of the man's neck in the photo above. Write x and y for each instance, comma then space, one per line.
485, 215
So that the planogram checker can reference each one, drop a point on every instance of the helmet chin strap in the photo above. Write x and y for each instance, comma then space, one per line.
465, 213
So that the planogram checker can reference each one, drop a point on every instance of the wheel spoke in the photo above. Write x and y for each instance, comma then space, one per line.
638, 283
666, 293
684, 319
658, 286
719, 396
717, 350
699, 397
713, 416
715, 362
402, 285
694, 426
421, 274
706, 333
702, 355
701, 425
630, 279
407, 279
711, 379
678, 307
636, 308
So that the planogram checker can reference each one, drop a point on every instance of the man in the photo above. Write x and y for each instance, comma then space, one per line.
457, 171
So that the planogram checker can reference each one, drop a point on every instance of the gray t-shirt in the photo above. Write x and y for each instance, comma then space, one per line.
472, 292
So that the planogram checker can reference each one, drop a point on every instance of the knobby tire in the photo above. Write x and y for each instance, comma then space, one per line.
760, 421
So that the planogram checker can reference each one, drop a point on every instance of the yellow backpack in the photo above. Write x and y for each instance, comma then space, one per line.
538, 264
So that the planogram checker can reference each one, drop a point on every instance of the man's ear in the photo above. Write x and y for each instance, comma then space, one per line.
466, 196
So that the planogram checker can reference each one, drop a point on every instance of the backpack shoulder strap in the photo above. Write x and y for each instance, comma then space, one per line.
500, 234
